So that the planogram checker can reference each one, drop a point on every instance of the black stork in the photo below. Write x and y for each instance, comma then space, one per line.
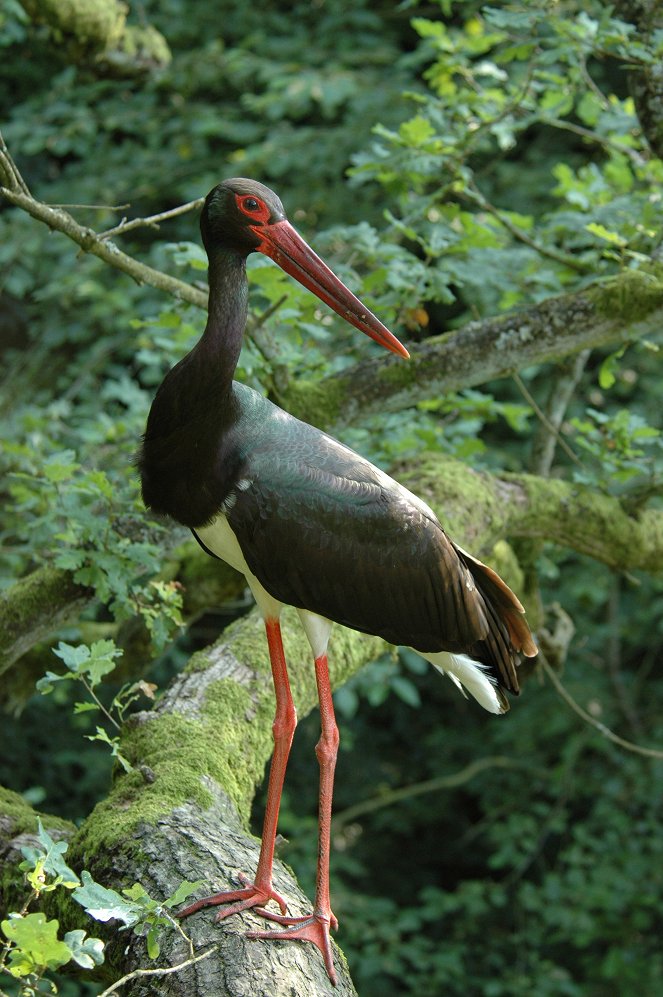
310, 524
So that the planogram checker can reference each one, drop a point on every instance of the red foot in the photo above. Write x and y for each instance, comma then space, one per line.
311, 928
250, 896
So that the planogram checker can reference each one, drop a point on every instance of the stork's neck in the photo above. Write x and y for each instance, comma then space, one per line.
188, 459
221, 343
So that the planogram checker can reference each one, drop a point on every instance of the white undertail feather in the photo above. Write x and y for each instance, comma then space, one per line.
471, 675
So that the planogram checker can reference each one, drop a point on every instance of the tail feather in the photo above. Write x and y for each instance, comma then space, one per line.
489, 666
508, 606
472, 676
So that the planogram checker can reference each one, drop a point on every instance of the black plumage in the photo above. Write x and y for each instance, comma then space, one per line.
311, 523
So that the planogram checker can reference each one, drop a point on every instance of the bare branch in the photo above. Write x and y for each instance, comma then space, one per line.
564, 382
596, 724
388, 798
90, 242
152, 221
138, 974
519, 234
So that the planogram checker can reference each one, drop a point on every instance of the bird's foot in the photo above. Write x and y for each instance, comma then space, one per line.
251, 895
312, 927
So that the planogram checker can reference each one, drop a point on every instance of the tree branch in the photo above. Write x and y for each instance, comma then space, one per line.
96, 34
153, 220
647, 81
35, 607
90, 242
476, 508
629, 306
205, 744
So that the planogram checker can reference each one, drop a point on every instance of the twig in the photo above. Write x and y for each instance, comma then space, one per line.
99, 704
152, 221
10, 169
138, 973
553, 430
265, 343
429, 786
601, 728
92, 207
591, 136
90, 242
566, 259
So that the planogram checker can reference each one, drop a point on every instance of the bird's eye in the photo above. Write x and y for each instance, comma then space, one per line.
254, 207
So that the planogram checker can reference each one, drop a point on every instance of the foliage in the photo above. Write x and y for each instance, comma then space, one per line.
33, 950
89, 666
454, 161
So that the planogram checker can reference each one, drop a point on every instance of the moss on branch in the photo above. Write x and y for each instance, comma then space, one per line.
628, 306
96, 32
35, 607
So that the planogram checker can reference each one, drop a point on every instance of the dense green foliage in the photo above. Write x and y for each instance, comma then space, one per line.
455, 161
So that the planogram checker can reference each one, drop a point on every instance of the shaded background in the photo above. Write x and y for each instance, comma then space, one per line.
540, 871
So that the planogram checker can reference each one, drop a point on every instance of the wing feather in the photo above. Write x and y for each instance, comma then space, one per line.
325, 530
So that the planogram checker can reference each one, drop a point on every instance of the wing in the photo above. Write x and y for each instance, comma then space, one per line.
325, 530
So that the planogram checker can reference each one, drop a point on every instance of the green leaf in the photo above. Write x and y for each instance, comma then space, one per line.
73, 657
60, 466
85, 707
607, 369
182, 893
45, 684
103, 904
406, 690
603, 233
36, 942
87, 952
153, 947
50, 859
102, 659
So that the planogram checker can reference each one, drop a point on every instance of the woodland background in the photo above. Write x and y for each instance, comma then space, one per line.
490, 179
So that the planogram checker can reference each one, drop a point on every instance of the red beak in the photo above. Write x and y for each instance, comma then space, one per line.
283, 244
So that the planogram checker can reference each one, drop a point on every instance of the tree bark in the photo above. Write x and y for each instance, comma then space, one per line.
647, 81
628, 307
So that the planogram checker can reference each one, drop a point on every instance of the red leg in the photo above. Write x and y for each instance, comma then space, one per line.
315, 926
260, 891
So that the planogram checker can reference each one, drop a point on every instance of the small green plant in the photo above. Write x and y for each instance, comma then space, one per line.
33, 948
89, 665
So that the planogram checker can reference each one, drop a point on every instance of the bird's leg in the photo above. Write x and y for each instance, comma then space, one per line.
261, 891
315, 927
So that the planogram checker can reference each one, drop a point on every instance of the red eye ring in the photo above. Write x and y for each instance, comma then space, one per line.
253, 207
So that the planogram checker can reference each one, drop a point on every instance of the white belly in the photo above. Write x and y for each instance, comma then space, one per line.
219, 538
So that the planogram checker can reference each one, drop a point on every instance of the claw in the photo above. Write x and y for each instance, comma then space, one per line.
310, 928
251, 895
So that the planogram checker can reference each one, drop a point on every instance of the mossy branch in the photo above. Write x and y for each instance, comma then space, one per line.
184, 809
95, 33
35, 607
628, 306
478, 509
18, 828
